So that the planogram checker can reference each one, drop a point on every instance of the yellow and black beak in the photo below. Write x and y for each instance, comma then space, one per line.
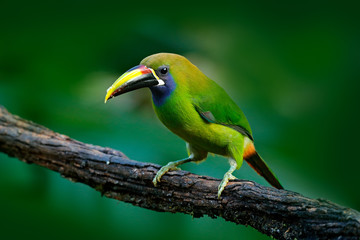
135, 78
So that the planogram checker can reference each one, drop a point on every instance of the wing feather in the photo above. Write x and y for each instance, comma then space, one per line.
215, 106
209, 117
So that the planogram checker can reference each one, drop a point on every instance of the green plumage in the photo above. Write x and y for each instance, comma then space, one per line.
199, 111
194, 91
203, 114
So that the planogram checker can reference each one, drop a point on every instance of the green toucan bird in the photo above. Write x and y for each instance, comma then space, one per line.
196, 109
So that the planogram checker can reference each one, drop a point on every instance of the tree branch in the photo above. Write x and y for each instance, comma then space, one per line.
278, 213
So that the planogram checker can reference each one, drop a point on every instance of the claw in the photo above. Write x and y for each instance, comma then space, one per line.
228, 176
168, 167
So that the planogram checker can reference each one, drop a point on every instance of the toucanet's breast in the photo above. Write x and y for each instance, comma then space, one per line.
180, 116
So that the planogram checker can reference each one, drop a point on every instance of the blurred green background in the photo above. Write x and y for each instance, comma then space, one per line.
293, 68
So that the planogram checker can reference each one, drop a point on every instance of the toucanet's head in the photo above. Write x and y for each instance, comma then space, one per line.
160, 72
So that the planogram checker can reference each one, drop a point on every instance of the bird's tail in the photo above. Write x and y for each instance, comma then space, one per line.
260, 166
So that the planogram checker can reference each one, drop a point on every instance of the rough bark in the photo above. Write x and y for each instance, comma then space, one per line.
281, 214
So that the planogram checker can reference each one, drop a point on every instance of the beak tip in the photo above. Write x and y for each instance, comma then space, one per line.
107, 99
108, 96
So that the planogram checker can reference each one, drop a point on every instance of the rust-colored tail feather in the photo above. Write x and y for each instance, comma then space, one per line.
256, 162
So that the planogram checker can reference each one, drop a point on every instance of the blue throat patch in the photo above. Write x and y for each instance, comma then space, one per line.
161, 93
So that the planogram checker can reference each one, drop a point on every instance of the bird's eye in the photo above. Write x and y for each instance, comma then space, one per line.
164, 70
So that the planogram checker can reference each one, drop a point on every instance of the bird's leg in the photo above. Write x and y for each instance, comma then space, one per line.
228, 176
170, 166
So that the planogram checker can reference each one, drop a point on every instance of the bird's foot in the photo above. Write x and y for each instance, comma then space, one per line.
228, 176
171, 166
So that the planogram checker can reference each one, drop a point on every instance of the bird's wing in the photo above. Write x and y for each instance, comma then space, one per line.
209, 117
215, 106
